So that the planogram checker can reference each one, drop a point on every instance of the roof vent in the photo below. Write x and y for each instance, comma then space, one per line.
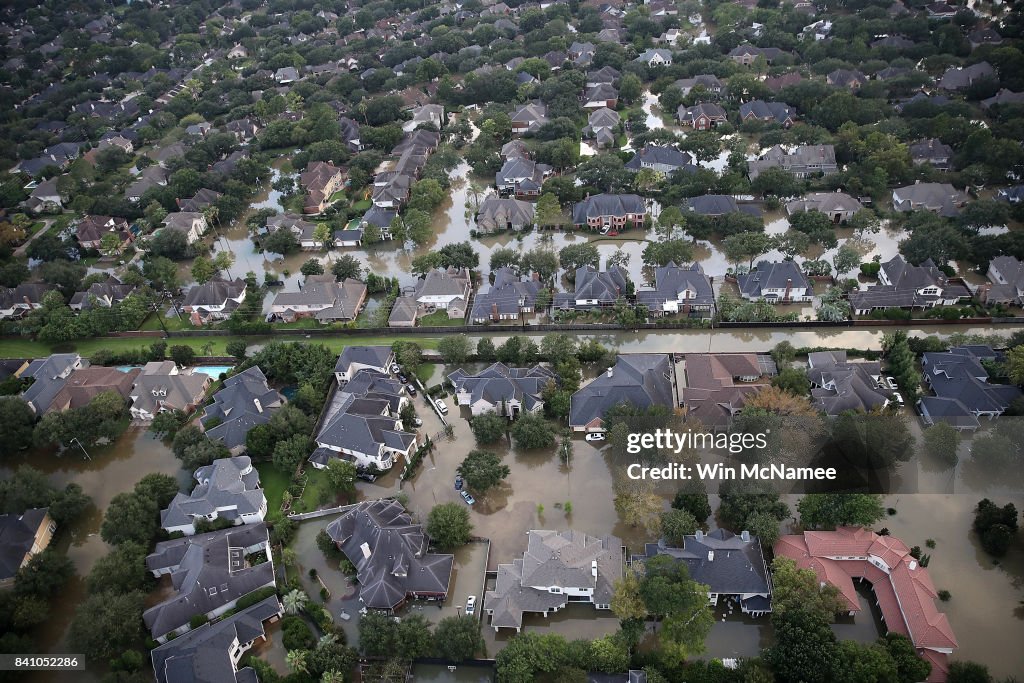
745, 536
365, 547
913, 565
593, 568
711, 556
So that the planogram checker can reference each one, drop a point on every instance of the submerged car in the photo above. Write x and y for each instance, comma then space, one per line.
595, 436
470, 605
468, 498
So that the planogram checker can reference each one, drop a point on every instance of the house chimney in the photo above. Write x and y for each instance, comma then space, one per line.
494, 311
711, 556
593, 568
609, 371
789, 287
259, 406
699, 535
745, 536
913, 565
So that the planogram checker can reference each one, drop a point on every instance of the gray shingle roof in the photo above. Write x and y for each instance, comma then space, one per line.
390, 554
670, 281
228, 487
599, 205
720, 560
640, 379
244, 402
498, 384
772, 275
208, 571
508, 295
17, 535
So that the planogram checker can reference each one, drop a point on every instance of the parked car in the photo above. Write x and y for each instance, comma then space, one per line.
458, 483
366, 476
595, 436
468, 498
891, 381
470, 605
411, 389
441, 407
395, 369
402, 378
897, 397
416, 422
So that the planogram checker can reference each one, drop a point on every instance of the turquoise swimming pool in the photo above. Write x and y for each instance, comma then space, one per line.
213, 371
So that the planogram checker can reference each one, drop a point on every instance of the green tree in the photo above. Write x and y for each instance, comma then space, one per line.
630, 87
542, 261
107, 624
941, 441
16, 422
532, 431
505, 257
237, 348
482, 470
798, 590
44, 574
765, 527
347, 267
910, 667
488, 427
676, 525
681, 603
342, 475
377, 635
746, 246
182, 355
792, 380
968, 672
312, 267
548, 211
454, 349
458, 638
122, 570
448, 525
413, 639
130, 517
846, 259
281, 241
576, 256
288, 453
203, 269
830, 510
485, 350
693, 497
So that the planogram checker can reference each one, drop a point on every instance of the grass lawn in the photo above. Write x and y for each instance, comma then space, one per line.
424, 372
173, 322
26, 348
317, 492
274, 483
439, 318
362, 205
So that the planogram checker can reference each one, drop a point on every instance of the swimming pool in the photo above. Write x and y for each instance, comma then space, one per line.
213, 371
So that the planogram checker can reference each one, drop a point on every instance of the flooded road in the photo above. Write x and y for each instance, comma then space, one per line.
113, 469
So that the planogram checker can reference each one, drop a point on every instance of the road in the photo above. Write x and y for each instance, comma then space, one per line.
47, 222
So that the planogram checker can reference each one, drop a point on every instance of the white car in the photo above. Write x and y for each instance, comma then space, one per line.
595, 436
395, 369
891, 381
897, 397
470, 605
441, 407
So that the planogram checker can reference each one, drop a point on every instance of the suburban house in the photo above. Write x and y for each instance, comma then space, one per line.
502, 390
595, 288
162, 386
708, 82
846, 78
902, 285
391, 555
803, 162
147, 179
361, 424
661, 158
962, 391
509, 298
701, 116
838, 206
655, 57
209, 573
445, 290
213, 300
940, 198
228, 488
602, 95
903, 590
356, 358
404, 313
718, 205
53, 390
48, 375
529, 117
731, 566
320, 180
602, 124
839, 385
321, 297
932, 151
91, 230
557, 568
718, 384
202, 199
104, 294
638, 379
778, 282
769, 112
244, 401
679, 289
302, 229
212, 651
45, 198
748, 54
610, 212
961, 78
606, 74
191, 223
514, 148
1004, 96
522, 177
428, 114
497, 215
22, 537
1007, 276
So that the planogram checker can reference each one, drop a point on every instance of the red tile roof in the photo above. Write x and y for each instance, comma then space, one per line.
905, 595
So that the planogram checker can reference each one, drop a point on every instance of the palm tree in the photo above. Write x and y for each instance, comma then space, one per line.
296, 661
326, 640
332, 677
294, 601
